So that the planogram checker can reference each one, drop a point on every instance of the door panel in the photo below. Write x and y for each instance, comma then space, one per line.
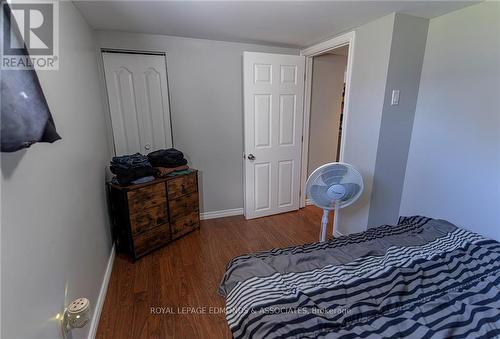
126, 132
262, 120
273, 113
287, 119
285, 183
138, 101
262, 186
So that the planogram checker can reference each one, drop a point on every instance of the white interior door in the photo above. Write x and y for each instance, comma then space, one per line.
273, 112
138, 101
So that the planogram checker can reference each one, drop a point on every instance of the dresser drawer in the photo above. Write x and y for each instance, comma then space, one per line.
146, 197
184, 205
185, 224
182, 185
151, 239
149, 218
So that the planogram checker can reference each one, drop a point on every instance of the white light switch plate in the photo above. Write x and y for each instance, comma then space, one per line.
395, 97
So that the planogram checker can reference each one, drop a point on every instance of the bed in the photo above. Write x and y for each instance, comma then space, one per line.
421, 278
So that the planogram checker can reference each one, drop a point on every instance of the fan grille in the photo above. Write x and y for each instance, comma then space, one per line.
325, 181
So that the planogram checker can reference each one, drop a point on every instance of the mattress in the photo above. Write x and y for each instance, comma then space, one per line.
422, 278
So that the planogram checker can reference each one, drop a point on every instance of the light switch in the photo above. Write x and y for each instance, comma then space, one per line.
395, 97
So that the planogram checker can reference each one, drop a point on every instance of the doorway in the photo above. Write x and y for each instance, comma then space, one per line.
277, 109
326, 104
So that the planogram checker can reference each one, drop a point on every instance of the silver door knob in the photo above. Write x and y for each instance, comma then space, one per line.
251, 157
147, 147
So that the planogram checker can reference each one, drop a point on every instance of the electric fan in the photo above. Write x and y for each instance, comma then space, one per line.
333, 186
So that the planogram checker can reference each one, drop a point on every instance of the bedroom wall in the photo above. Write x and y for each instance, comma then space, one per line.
453, 169
206, 100
369, 74
326, 99
405, 66
55, 240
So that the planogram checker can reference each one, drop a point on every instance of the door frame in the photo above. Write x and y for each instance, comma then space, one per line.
347, 39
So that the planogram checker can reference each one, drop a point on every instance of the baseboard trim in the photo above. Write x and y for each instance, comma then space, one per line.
221, 214
337, 234
102, 295
309, 202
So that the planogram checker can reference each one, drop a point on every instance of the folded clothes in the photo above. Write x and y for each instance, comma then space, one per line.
169, 158
143, 180
130, 161
170, 153
125, 177
176, 173
138, 168
164, 171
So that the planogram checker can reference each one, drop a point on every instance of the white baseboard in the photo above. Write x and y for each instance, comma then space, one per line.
221, 214
102, 295
337, 234
309, 202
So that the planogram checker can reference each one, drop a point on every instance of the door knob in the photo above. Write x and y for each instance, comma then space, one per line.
147, 147
251, 157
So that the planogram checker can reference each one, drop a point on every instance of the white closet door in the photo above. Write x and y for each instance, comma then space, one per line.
138, 101
273, 87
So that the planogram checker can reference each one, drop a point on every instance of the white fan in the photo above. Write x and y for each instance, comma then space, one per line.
333, 186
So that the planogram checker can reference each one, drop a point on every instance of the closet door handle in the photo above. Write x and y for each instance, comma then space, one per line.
251, 157
147, 147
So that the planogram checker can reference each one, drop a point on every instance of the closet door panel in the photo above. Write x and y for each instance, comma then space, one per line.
156, 97
137, 91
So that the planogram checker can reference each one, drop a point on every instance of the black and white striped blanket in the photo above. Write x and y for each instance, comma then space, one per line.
423, 278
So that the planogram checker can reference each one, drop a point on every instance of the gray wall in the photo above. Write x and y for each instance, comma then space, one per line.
55, 232
405, 66
369, 74
205, 83
326, 99
453, 169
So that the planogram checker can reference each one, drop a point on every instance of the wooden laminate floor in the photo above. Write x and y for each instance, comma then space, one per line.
180, 281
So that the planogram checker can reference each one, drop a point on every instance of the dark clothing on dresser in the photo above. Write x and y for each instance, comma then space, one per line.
130, 168
131, 161
125, 177
138, 168
167, 158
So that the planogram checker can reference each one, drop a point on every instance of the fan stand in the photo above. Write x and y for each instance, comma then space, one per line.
324, 223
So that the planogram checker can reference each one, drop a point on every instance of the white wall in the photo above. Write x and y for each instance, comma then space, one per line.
369, 74
55, 232
205, 82
453, 169
405, 66
326, 99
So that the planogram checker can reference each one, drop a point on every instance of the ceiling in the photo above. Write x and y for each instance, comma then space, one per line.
281, 23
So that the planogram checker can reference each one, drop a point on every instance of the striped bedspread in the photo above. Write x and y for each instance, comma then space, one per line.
422, 278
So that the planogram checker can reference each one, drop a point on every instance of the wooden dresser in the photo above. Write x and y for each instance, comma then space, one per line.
148, 216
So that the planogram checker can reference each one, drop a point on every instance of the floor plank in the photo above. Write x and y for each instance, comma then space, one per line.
186, 274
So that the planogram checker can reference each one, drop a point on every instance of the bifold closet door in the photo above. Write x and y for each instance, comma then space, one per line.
138, 101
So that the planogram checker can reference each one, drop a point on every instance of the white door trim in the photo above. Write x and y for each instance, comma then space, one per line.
309, 53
